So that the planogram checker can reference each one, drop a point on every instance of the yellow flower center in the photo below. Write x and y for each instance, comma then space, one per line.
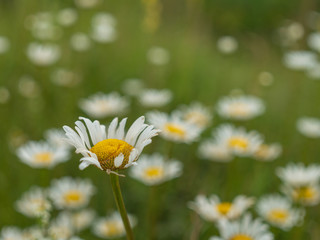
107, 150
112, 228
175, 129
304, 193
153, 172
278, 215
263, 151
239, 110
238, 142
73, 196
224, 207
44, 157
241, 237
197, 118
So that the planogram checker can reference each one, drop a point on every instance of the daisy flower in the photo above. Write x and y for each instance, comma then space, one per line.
43, 54
104, 28
244, 229
56, 137
104, 105
300, 60
66, 17
240, 107
4, 44
154, 98
154, 169
240, 142
80, 42
212, 151
42, 154
87, 3
212, 209
278, 211
173, 128
111, 226
61, 228
68, 193
65, 78
82, 219
133, 87
268, 152
158, 56
112, 150
227, 44
11, 233
314, 41
309, 127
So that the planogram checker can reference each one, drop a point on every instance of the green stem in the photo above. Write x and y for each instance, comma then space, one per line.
120, 204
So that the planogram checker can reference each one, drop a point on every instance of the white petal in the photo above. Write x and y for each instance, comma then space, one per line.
112, 128
118, 160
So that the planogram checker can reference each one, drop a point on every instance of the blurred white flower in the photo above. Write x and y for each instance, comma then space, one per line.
61, 228
103, 28
278, 211
132, 86
87, 3
69, 193
112, 226
268, 152
42, 154
4, 95
65, 78
240, 107
210, 150
66, 17
213, 210
80, 42
309, 127
82, 219
314, 72
102, 105
155, 169
300, 60
11, 233
56, 137
158, 56
314, 41
227, 44
43, 54
4, 44
33, 233
154, 98
266, 78
28, 87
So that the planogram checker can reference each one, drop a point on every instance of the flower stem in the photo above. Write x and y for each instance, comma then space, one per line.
120, 204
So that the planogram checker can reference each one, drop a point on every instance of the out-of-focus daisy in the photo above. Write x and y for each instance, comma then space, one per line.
65, 78
61, 228
244, 229
80, 42
309, 127
132, 86
268, 152
11, 233
112, 150
87, 3
308, 195
43, 54
300, 60
32, 233
314, 72
158, 56
66, 17
34, 203
103, 28
196, 114
240, 107
212, 209
173, 128
227, 44
4, 95
104, 105
154, 169
290, 33
314, 41
4, 44
82, 219
266, 78
42, 154
68, 193
238, 140
111, 226
155, 98
277, 210
28, 87
210, 150
56, 137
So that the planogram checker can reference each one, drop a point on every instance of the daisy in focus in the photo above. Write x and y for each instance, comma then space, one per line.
154, 169
111, 226
240, 107
154, 98
244, 229
42, 154
102, 105
212, 209
68, 193
309, 127
278, 211
112, 150
212, 151
173, 128
268, 152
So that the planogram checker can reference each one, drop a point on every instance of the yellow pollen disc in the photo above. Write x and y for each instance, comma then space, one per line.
107, 150
304, 193
241, 237
278, 215
153, 172
112, 229
72, 197
238, 142
239, 109
224, 207
44, 157
175, 129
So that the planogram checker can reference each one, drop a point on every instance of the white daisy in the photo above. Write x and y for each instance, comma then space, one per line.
314, 72
307, 195
113, 150
34, 203
4, 95
61, 228
65, 78
155, 98
240, 107
300, 60
173, 128
158, 56
309, 127
4, 44
314, 41
244, 229
80, 42
227, 44
104, 105
212, 209
33, 233
104, 28
87, 3
112, 226
11, 233
268, 152
56, 137
69, 193
132, 87
43, 54
42, 154
154, 169
238, 140
210, 150
278, 211
66, 17
82, 219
